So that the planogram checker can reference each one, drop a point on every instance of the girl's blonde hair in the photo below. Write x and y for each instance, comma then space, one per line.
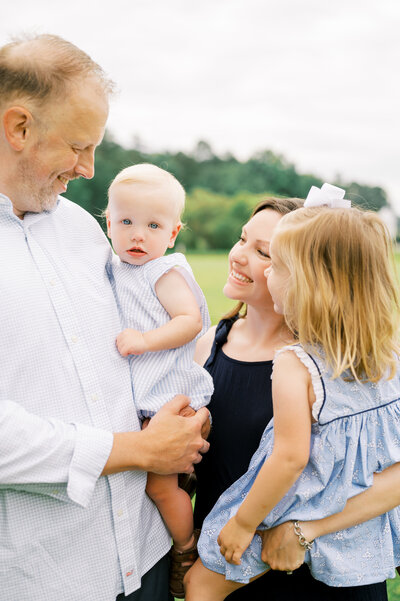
342, 293
281, 206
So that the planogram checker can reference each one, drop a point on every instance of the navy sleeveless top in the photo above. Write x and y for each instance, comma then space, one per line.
238, 420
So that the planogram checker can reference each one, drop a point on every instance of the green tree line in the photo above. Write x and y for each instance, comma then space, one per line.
221, 190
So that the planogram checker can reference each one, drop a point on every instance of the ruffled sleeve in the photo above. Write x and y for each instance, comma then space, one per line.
316, 378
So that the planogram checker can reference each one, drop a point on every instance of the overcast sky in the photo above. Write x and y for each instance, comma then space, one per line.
315, 80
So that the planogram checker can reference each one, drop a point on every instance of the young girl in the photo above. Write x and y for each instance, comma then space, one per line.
336, 401
164, 311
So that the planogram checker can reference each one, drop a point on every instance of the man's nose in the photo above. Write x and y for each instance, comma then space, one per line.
85, 165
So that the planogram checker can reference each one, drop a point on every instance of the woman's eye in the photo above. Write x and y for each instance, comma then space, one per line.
242, 240
126, 221
263, 254
153, 226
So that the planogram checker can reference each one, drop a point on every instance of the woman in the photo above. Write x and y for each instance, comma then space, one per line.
238, 353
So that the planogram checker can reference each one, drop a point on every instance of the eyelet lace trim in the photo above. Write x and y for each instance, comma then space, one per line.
316, 380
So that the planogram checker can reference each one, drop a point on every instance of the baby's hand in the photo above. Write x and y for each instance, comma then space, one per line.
233, 540
131, 342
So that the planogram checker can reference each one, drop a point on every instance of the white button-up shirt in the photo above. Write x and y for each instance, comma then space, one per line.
65, 532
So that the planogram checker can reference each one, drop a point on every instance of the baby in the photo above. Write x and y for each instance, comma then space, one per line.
164, 311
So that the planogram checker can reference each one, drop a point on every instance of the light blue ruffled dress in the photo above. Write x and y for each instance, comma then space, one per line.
357, 433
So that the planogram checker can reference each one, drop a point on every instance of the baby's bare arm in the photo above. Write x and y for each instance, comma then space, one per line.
178, 300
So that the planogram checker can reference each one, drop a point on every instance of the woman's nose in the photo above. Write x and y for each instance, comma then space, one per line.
238, 255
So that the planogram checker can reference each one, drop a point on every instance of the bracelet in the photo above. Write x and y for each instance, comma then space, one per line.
300, 535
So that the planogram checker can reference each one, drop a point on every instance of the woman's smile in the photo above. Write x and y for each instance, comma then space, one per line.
236, 276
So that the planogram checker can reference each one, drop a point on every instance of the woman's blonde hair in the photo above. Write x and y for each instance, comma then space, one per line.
281, 206
342, 293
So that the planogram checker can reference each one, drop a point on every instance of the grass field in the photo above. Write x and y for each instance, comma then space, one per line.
211, 271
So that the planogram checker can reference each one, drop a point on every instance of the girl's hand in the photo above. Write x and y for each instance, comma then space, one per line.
131, 342
233, 540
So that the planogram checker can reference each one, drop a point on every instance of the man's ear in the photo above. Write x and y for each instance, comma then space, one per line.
174, 234
17, 122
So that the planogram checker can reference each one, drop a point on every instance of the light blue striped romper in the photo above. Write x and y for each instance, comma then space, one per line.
158, 376
356, 433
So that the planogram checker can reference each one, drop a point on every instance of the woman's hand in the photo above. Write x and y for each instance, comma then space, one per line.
233, 540
281, 548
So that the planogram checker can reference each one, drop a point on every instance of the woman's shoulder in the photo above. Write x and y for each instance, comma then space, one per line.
204, 346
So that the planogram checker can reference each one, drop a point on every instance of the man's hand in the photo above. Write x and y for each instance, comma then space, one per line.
170, 444
131, 342
175, 441
205, 428
281, 548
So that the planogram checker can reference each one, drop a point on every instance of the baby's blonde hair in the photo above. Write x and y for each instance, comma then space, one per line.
342, 293
145, 173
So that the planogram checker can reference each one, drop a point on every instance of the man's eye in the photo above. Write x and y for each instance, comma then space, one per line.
241, 239
153, 226
126, 221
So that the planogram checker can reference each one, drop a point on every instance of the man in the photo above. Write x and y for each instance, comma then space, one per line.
75, 523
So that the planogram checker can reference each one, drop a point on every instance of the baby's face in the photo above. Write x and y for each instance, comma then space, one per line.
142, 221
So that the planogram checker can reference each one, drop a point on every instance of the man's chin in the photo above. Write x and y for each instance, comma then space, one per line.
49, 203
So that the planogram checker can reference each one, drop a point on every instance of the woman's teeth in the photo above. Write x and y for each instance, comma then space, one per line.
240, 277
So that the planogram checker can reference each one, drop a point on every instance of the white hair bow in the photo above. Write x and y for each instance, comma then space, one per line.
328, 195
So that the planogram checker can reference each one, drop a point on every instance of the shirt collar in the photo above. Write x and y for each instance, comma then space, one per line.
29, 218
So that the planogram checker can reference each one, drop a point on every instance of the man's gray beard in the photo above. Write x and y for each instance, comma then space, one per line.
36, 201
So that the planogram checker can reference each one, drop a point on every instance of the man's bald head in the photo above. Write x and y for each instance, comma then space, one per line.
43, 67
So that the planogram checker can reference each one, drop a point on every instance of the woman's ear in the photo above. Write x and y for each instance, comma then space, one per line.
17, 122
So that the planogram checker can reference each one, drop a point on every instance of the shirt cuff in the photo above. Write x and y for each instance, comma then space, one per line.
92, 449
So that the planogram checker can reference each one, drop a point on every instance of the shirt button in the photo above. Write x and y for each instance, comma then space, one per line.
52, 282
94, 398
74, 339
120, 513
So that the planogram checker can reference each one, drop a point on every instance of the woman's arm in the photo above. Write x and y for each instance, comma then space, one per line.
281, 549
292, 429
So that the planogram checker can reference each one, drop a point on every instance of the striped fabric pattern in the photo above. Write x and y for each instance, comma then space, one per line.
158, 376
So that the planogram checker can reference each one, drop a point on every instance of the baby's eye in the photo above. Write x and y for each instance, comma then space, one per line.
153, 226
126, 221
